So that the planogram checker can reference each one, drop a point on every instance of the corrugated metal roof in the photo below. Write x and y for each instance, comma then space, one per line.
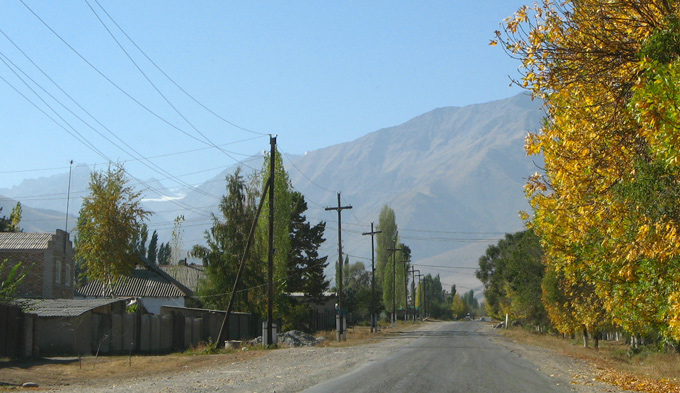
189, 276
62, 307
24, 241
143, 283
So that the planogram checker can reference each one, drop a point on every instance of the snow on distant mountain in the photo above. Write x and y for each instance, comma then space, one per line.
454, 177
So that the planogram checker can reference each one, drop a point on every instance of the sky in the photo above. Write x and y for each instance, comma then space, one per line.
180, 90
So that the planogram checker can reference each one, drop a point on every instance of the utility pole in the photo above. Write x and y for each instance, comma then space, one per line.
394, 278
373, 317
413, 287
405, 289
340, 208
422, 291
270, 260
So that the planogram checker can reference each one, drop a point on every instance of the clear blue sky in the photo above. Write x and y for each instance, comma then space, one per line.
316, 73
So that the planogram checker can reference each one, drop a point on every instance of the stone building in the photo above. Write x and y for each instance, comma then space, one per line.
47, 259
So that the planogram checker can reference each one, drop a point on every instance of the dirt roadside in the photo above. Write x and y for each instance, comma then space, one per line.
282, 370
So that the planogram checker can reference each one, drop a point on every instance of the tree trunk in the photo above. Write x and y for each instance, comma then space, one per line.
585, 338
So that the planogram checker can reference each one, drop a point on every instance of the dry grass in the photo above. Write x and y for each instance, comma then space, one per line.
108, 370
647, 371
359, 335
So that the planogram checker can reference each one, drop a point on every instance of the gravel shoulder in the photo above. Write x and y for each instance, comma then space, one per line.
295, 369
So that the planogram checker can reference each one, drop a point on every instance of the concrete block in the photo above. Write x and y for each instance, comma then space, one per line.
145, 334
155, 333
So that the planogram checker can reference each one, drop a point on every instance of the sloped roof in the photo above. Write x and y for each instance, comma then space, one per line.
24, 241
188, 275
63, 307
145, 282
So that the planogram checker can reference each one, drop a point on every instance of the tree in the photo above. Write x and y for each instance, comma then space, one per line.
152, 251
512, 272
605, 208
459, 307
110, 219
164, 254
139, 243
283, 206
177, 243
10, 284
386, 239
306, 268
226, 242
11, 224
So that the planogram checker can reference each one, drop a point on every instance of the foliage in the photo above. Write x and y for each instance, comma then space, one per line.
163, 256
226, 241
387, 238
605, 208
512, 273
305, 270
11, 224
283, 201
11, 282
152, 250
110, 219
177, 241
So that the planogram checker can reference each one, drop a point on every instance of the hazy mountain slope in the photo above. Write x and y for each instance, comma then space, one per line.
454, 177
449, 170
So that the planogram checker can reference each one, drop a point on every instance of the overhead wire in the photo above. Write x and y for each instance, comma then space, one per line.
109, 79
165, 98
172, 80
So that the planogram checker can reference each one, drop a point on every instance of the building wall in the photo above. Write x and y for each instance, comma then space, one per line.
154, 304
59, 267
49, 272
33, 263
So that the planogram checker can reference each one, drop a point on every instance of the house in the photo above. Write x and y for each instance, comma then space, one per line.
149, 284
48, 261
190, 275
64, 326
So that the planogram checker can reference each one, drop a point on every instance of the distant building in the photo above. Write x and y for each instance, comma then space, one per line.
151, 285
189, 275
47, 259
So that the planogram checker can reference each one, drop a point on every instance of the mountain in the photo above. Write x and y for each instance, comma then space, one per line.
454, 177
451, 170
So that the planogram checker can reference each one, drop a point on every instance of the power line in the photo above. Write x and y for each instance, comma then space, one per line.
172, 80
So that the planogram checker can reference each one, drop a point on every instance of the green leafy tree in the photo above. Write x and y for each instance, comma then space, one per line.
226, 242
386, 239
283, 201
152, 250
512, 272
10, 283
139, 243
305, 266
164, 254
11, 224
110, 219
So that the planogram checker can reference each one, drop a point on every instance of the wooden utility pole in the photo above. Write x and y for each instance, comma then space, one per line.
421, 289
340, 209
394, 278
405, 289
270, 270
373, 317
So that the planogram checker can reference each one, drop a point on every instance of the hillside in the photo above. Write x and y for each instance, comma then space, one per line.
454, 177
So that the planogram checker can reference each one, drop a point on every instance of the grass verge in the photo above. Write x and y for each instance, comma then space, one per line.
647, 371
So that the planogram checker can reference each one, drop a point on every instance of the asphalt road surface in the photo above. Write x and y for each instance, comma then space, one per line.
457, 357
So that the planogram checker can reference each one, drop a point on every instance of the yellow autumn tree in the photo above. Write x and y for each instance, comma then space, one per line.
605, 206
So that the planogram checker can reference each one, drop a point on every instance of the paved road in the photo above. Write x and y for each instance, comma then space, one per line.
458, 357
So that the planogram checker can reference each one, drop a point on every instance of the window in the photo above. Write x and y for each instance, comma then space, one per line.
67, 276
57, 273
